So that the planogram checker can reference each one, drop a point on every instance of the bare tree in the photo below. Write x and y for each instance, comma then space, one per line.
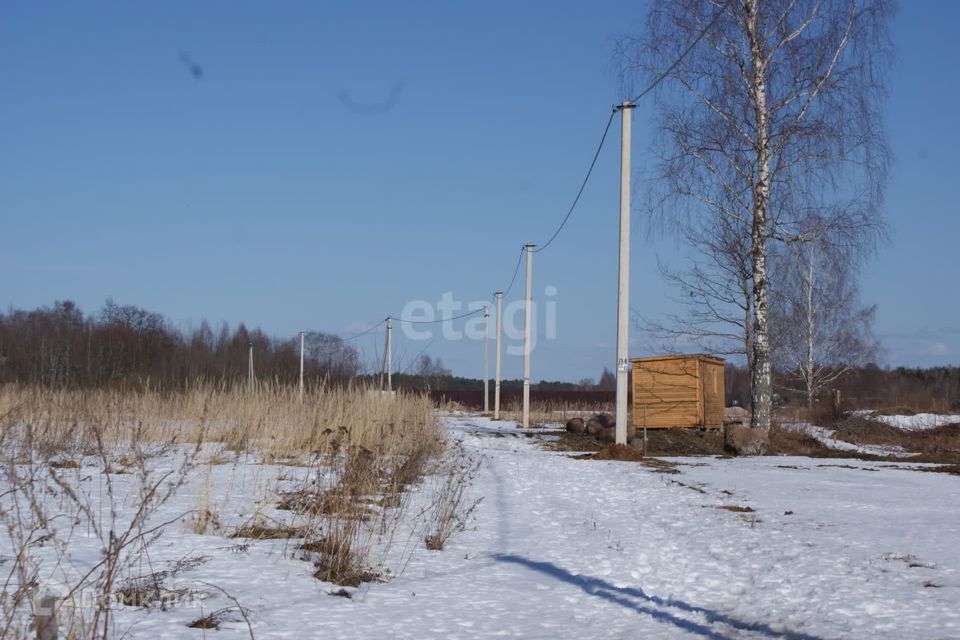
432, 371
823, 331
774, 113
608, 381
713, 294
332, 355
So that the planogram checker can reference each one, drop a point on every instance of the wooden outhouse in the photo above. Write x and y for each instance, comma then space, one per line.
678, 391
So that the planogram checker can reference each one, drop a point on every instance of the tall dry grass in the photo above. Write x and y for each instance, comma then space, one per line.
359, 451
546, 413
270, 419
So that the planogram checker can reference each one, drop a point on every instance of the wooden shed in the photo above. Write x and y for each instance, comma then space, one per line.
678, 391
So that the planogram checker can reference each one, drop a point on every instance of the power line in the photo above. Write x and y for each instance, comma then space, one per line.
516, 270
676, 63
583, 185
417, 357
363, 333
660, 78
462, 315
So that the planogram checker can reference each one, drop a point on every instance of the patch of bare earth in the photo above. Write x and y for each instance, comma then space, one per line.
625, 453
660, 442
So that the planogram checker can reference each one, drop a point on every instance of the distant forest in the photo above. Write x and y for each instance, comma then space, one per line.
59, 346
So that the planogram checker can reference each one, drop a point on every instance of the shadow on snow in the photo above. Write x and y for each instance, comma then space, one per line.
637, 600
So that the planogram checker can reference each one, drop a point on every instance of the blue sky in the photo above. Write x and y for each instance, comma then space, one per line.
321, 165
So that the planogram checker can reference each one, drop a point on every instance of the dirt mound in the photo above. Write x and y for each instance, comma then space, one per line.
684, 442
620, 452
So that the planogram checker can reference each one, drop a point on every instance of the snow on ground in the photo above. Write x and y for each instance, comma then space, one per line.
917, 422
824, 436
565, 548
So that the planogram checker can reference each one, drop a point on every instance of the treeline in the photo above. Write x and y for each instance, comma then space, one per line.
59, 346
429, 374
865, 387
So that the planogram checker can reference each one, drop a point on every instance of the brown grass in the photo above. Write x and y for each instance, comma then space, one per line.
940, 444
268, 532
544, 413
735, 508
270, 419
361, 451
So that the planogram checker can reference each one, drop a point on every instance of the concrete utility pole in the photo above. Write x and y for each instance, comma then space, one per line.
302, 336
389, 355
528, 300
496, 366
623, 280
250, 367
486, 366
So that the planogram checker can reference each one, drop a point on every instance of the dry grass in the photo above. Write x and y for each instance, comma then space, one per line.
452, 507
553, 413
735, 508
270, 420
357, 452
940, 444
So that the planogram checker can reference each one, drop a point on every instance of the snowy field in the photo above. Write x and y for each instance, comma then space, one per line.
566, 548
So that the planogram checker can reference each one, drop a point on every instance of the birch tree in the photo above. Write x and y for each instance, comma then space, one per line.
774, 113
823, 331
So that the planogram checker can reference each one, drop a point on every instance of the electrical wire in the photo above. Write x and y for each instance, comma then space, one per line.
660, 78
462, 315
583, 185
417, 357
363, 333
516, 270
663, 76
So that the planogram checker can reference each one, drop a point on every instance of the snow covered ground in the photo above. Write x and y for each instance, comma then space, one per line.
917, 422
566, 548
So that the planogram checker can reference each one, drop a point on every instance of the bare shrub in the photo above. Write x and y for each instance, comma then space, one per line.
451, 508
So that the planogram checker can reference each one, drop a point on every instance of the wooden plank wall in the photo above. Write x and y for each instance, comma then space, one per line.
670, 391
713, 393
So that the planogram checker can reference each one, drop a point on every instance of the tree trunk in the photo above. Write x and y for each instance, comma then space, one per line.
809, 374
760, 383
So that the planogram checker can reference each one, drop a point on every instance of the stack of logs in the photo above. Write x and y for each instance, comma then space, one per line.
601, 426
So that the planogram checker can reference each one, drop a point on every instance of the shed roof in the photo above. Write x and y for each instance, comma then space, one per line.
681, 356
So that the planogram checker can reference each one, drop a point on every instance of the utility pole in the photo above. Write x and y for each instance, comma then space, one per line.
486, 366
389, 355
496, 366
623, 280
302, 336
250, 367
526, 335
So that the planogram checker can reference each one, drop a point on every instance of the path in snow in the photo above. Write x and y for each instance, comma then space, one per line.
575, 549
